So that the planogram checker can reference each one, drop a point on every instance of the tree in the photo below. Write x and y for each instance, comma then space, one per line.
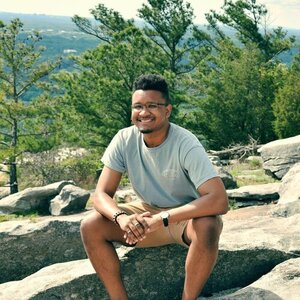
287, 102
248, 19
169, 25
100, 92
237, 100
23, 126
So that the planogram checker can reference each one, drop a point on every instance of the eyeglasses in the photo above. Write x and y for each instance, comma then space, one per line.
150, 106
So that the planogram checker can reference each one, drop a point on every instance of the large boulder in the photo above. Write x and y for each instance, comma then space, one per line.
282, 283
37, 198
278, 156
254, 194
253, 242
71, 199
4, 192
290, 187
28, 245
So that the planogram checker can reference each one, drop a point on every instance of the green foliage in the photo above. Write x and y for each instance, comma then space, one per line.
22, 125
170, 27
249, 20
32, 216
287, 103
238, 97
249, 173
47, 167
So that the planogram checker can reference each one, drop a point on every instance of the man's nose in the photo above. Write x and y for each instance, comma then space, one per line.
144, 109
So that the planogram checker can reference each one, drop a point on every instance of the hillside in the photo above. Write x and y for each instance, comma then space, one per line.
61, 38
59, 34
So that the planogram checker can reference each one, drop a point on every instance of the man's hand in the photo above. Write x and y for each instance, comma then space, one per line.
135, 227
154, 222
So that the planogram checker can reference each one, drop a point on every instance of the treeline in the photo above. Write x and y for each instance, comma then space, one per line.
223, 91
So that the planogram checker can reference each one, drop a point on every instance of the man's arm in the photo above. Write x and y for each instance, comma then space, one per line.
213, 201
105, 204
106, 187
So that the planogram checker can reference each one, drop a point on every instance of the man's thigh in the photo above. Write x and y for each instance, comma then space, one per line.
165, 235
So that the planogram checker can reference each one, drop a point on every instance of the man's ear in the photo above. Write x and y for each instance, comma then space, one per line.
169, 110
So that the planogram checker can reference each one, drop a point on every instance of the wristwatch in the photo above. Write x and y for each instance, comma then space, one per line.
165, 218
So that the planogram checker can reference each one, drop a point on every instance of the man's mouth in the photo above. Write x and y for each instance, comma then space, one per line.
148, 120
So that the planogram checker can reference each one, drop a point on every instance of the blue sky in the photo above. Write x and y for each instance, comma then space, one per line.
284, 13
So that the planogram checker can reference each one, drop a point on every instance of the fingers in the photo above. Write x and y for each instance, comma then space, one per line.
136, 228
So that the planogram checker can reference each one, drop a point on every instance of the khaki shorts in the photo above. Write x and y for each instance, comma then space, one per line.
164, 236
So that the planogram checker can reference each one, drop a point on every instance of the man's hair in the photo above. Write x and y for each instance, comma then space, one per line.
152, 82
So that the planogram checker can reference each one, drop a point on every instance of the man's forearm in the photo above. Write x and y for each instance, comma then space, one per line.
105, 204
206, 205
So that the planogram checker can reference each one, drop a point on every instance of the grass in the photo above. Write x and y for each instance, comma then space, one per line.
32, 216
249, 173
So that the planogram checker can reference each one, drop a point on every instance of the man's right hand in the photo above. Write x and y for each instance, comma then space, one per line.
135, 227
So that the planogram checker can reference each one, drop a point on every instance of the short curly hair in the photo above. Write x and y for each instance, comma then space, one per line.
152, 82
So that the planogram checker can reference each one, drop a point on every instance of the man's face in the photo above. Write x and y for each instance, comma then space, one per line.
150, 112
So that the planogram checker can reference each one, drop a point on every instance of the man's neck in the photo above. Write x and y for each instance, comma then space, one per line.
155, 139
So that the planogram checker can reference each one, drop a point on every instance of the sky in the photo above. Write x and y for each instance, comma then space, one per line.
285, 13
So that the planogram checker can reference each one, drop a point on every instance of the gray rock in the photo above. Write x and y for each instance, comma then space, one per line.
4, 192
290, 188
254, 194
125, 195
282, 283
26, 246
37, 198
278, 156
253, 242
71, 199
215, 160
228, 180
286, 209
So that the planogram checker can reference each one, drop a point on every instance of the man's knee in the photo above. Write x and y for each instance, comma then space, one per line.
206, 230
91, 224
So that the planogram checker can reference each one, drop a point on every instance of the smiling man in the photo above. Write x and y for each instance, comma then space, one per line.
180, 194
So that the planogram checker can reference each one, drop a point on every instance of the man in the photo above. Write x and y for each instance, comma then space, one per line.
181, 194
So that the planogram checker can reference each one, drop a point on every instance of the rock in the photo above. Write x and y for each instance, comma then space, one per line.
278, 156
4, 192
228, 180
290, 188
71, 280
37, 198
215, 160
254, 159
286, 209
253, 242
254, 194
282, 282
71, 199
125, 195
26, 246
77, 280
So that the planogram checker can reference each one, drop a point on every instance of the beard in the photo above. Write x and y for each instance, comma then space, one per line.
145, 130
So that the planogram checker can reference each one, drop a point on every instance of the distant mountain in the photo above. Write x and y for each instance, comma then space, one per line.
59, 34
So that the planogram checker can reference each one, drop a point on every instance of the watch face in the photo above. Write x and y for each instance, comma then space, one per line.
165, 214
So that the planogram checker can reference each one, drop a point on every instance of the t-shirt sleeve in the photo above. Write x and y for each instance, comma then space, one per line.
198, 166
113, 156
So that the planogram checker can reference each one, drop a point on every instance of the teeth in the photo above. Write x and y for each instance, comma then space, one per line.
145, 120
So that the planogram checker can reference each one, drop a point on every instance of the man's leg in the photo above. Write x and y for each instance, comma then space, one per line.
203, 236
97, 232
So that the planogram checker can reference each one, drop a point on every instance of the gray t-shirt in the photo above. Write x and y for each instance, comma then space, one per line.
163, 176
